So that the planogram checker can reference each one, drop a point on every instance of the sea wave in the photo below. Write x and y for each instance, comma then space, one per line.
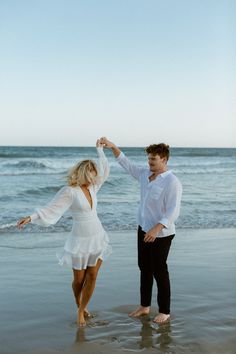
47, 166
28, 173
203, 152
8, 155
8, 226
197, 171
191, 163
121, 219
33, 166
40, 191
116, 227
28, 164
36, 166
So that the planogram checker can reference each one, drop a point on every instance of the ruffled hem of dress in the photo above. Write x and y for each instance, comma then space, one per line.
82, 260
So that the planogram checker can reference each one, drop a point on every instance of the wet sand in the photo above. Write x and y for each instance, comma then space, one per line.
38, 312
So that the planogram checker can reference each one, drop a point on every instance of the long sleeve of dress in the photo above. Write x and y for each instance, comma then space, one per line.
130, 167
103, 168
52, 212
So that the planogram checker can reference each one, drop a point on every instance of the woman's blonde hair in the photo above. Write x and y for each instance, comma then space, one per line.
83, 173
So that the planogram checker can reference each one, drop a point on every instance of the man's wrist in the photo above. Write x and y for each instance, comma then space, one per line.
116, 151
158, 228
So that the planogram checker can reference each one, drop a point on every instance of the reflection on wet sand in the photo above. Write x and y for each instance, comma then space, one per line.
152, 336
138, 334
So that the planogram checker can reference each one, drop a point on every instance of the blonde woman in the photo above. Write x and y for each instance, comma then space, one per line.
88, 244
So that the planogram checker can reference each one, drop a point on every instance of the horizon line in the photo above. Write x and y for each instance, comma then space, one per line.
120, 146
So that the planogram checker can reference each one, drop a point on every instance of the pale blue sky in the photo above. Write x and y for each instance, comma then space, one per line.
135, 71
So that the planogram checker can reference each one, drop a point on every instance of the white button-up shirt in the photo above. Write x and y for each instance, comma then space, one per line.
159, 199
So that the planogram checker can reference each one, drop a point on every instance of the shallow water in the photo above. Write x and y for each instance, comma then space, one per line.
38, 311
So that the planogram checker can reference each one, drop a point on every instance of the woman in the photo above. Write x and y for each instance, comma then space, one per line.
88, 244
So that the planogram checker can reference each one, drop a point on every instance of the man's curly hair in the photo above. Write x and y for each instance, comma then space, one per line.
159, 149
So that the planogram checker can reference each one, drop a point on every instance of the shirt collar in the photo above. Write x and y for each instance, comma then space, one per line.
164, 174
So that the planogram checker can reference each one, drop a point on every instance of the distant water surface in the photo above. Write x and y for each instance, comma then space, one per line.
30, 177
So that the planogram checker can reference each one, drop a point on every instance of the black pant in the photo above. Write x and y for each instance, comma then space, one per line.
152, 257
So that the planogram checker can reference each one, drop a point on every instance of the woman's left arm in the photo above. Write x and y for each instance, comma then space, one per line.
52, 212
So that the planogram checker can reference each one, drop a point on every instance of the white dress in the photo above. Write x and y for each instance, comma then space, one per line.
88, 241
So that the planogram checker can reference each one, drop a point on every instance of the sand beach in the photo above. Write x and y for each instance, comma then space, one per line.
38, 312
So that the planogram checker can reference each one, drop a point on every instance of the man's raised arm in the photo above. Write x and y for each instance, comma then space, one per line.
133, 169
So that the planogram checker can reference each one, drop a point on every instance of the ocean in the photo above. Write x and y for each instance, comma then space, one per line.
38, 311
30, 177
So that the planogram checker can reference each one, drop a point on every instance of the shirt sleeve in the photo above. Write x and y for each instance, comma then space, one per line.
53, 211
103, 168
172, 204
133, 169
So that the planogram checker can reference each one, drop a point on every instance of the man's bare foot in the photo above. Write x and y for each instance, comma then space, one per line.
140, 311
80, 319
162, 318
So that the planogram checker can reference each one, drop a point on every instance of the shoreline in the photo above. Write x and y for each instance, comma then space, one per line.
38, 310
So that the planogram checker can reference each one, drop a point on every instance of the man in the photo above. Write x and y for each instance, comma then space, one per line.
159, 208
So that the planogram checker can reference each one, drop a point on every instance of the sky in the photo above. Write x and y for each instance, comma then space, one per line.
136, 71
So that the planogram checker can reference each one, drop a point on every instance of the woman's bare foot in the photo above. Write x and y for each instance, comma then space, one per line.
87, 313
140, 311
80, 319
161, 318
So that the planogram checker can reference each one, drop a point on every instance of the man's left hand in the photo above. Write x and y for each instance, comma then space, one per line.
150, 236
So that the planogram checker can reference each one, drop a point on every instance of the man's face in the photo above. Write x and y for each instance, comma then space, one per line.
156, 163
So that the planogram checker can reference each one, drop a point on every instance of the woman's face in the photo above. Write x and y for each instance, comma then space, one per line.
94, 173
